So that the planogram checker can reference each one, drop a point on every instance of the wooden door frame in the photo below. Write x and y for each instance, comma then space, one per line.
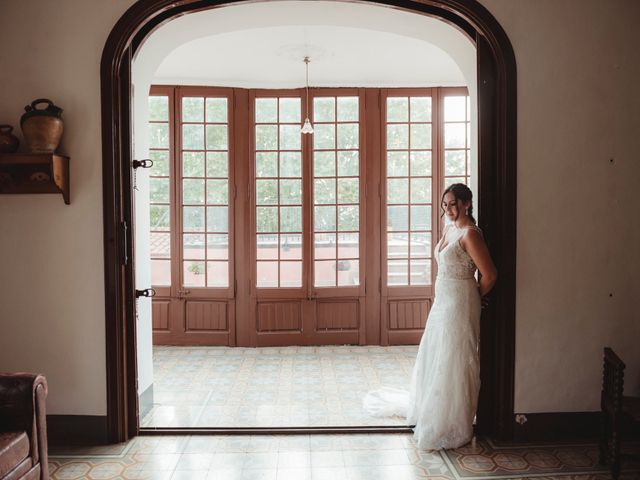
496, 68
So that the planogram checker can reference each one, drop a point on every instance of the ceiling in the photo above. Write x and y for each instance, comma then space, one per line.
262, 45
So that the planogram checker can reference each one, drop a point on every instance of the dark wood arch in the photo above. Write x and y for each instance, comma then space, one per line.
496, 198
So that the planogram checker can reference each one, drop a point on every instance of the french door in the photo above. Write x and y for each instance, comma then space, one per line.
192, 249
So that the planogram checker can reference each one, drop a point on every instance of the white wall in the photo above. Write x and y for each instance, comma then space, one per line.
578, 225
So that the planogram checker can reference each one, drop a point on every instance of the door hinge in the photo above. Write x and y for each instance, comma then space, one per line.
147, 292
146, 163
125, 242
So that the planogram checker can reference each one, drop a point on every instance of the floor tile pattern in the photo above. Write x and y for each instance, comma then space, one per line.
324, 457
269, 387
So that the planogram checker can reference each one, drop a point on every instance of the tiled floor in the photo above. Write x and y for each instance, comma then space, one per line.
330, 457
273, 387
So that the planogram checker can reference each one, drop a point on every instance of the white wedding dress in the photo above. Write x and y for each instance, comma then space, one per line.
445, 382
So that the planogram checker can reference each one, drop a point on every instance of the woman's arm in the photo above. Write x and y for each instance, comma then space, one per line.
477, 249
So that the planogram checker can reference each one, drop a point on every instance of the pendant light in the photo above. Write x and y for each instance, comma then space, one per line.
307, 127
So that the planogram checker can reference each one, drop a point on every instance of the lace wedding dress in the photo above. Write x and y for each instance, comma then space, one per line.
445, 382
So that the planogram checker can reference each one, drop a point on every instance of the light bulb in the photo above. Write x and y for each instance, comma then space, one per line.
307, 127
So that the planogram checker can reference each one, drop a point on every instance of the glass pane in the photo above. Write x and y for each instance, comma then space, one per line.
348, 136
267, 164
159, 108
217, 274
397, 164
397, 272
421, 135
290, 164
267, 247
348, 164
324, 219
160, 218
217, 219
348, 109
192, 191
267, 219
266, 110
158, 135
266, 137
455, 109
397, 245
324, 191
290, 192
160, 166
290, 219
218, 247
348, 190
160, 273
324, 136
454, 162
290, 137
160, 245
420, 217
291, 246
420, 190
348, 217
217, 192
398, 218
454, 135
348, 245
193, 219
324, 164
324, 109
348, 272
193, 164
193, 137
397, 190
217, 164
217, 110
193, 247
194, 274
266, 192
397, 109
290, 274
324, 246
325, 273
217, 137
420, 163
420, 272
397, 137
267, 274
451, 180
159, 190
192, 109
420, 109
420, 245
290, 111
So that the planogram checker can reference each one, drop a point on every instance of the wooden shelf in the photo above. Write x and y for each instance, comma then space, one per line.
34, 173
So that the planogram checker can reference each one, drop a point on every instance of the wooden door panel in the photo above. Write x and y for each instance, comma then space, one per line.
160, 315
279, 316
404, 320
342, 315
201, 316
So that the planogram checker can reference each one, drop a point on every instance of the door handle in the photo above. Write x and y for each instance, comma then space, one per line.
183, 292
147, 292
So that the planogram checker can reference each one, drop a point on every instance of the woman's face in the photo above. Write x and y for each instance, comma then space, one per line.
452, 207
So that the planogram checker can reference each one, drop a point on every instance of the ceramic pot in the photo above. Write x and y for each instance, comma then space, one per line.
42, 127
8, 141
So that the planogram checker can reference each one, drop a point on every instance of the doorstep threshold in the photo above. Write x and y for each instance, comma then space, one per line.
151, 431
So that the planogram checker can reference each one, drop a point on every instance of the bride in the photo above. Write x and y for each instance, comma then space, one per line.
445, 382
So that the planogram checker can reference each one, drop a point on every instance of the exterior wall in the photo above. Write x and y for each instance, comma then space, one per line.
577, 211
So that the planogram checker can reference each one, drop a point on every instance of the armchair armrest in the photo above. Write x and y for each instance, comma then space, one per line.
23, 408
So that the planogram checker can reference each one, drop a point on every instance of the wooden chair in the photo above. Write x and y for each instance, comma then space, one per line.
620, 414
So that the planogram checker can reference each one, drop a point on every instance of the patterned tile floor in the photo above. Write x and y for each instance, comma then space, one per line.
320, 457
269, 387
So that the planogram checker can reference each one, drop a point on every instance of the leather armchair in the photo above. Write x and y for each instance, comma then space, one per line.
23, 428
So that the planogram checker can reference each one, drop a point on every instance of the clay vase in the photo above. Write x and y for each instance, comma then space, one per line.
42, 128
8, 141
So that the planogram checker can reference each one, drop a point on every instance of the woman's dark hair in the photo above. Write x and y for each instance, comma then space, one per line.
460, 192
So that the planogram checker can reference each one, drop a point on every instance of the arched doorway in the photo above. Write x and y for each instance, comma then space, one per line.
497, 173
